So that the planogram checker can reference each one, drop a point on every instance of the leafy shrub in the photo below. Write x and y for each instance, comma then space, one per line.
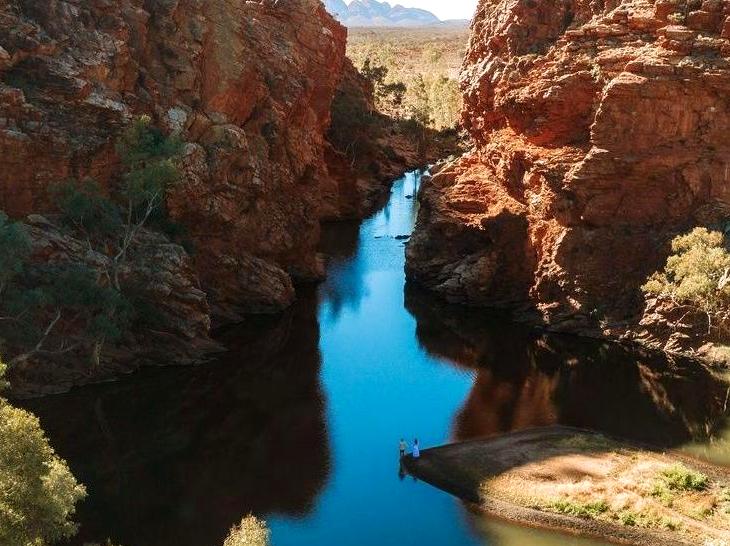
38, 303
38, 493
677, 18
86, 210
34, 300
697, 273
627, 518
15, 248
251, 532
589, 510
681, 478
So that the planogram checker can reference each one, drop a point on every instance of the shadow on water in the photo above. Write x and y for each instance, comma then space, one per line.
526, 379
344, 288
299, 421
177, 456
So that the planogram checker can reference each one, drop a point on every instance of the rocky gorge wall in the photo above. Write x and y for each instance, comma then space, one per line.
248, 86
600, 132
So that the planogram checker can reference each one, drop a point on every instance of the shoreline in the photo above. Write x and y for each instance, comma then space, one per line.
462, 469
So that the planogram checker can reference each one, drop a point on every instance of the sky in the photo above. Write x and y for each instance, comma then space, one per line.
443, 9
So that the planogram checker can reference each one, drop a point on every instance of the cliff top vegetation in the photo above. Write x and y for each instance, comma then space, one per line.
425, 61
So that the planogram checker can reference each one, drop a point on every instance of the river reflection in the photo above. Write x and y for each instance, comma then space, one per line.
526, 379
177, 456
300, 421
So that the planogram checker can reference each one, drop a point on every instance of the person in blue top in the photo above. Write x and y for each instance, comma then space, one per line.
416, 449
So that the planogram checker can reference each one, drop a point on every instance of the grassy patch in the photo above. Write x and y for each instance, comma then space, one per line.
719, 353
590, 510
677, 479
646, 520
663, 494
628, 518
681, 478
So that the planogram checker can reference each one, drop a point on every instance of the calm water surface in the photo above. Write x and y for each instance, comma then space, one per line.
299, 422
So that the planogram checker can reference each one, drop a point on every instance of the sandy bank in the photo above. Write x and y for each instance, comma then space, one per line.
584, 483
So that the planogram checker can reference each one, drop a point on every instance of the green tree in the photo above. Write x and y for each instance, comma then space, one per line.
113, 229
420, 106
698, 272
38, 493
696, 275
149, 157
444, 97
110, 228
37, 300
251, 532
388, 94
54, 309
420, 111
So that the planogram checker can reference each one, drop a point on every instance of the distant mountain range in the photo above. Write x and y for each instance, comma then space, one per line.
371, 13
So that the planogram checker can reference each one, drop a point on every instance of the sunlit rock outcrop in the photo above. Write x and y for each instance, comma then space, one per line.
601, 132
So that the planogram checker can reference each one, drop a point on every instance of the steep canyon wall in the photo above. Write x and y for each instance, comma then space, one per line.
247, 85
600, 132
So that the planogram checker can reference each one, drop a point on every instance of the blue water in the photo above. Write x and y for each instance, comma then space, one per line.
380, 385
299, 422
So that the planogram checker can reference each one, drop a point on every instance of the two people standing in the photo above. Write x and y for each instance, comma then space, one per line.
403, 447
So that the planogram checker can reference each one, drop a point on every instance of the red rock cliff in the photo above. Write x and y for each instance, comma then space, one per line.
247, 84
601, 131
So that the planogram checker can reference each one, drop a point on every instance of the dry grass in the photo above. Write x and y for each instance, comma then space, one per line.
718, 354
592, 478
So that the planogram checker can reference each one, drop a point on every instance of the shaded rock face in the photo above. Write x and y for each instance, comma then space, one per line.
601, 132
163, 274
248, 85
176, 457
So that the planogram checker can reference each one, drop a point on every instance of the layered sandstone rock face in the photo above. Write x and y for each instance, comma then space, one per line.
247, 85
601, 131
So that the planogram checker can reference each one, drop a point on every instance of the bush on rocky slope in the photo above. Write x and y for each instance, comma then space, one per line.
696, 278
79, 283
698, 273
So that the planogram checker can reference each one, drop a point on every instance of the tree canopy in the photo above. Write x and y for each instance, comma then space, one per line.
251, 532
38, 493
697, 273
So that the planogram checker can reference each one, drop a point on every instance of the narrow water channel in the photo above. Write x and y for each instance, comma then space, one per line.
300, 421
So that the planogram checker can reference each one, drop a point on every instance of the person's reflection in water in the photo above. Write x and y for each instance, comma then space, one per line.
401, 471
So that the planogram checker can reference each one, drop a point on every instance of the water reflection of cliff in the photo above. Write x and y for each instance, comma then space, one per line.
527, 379
344, 287
178, 456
